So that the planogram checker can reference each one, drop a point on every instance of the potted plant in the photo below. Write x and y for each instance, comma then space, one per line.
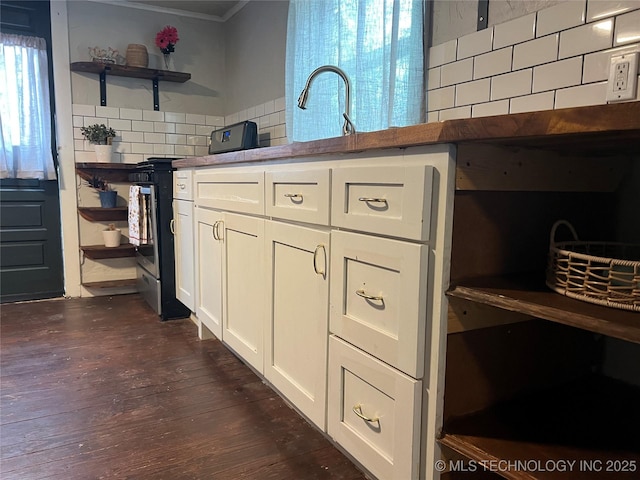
111, 236
107, 195
101, 137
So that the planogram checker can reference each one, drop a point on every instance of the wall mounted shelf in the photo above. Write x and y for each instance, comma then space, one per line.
113, 172
100, 252
99, 214
155, 75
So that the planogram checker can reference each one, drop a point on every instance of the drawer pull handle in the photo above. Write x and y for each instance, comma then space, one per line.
293, 195
357, 409
181, 186
172, 226
315, 260
363, 294
373, 199
216, 230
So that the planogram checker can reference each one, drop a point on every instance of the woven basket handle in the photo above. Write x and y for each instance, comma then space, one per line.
552, 236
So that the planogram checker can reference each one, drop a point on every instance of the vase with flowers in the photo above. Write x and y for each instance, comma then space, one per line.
166, 40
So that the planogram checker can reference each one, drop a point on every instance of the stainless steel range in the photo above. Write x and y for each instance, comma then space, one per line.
155, 254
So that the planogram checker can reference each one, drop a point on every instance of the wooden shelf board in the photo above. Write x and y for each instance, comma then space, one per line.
595, 419
132, 72
529, 295
99, 252
99, 214
127, 282
114, 172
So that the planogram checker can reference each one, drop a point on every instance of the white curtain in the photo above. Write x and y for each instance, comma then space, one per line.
25, 116
379, 45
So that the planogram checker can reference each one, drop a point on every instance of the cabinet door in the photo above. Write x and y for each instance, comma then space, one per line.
184, 252
379, 298
374, 412
208, 266
243, 287
297, 329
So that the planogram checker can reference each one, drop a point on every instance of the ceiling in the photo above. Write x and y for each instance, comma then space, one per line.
220, 10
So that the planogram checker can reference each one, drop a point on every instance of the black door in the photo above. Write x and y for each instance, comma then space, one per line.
30, 236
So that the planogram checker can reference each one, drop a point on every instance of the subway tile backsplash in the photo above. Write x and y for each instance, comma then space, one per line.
557, 57
147, 133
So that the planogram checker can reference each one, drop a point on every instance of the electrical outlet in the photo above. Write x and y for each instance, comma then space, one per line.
623, 76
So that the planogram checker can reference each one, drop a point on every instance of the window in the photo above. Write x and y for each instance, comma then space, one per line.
377, 43
25, 117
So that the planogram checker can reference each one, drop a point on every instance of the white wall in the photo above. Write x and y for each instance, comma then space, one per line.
255, 54
199, 52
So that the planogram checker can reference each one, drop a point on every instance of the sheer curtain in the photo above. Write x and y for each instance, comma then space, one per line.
25, 116
379, 45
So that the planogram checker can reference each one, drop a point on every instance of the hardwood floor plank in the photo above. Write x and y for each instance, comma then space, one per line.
101, 388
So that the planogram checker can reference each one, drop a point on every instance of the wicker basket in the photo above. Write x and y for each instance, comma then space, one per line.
597, 272
137, 56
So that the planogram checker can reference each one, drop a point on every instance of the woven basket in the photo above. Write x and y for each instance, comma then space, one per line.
137, 56
597, 272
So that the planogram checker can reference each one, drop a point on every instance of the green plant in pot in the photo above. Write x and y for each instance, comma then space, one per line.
101, 137
107, 195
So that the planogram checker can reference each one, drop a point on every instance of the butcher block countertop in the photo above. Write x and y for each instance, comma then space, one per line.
592, 131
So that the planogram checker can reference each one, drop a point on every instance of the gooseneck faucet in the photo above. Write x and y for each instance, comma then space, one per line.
348, 128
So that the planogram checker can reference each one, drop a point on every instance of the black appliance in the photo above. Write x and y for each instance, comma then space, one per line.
155, 255
240, 136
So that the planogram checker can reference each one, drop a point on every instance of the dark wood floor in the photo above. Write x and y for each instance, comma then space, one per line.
100, 388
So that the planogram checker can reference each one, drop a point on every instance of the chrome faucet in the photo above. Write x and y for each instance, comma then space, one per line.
348, 128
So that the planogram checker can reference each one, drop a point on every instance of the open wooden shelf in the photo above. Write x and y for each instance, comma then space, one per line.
100, 252
127, 282
99, 214
132, 72
113, 172
594, 420
529, 295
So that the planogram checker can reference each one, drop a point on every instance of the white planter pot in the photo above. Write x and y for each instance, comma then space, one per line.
103, 153
111, 237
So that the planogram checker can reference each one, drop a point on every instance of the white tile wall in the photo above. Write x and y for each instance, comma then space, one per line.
552, 58
586, 39
511, 84
501, 107
147, 133
597, 10
514, 31
475, 43
494, 63
564, 73
560, 17
627, 28
532, 103
456, 72
536, 52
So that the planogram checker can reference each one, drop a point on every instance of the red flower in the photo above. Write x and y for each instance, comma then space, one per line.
167, 38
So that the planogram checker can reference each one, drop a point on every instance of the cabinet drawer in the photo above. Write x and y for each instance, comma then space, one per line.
378, 297
387, 441
234, 191
300, 195
392, 201
183, 184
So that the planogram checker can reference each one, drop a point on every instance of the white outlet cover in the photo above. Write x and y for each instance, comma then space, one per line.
629, 93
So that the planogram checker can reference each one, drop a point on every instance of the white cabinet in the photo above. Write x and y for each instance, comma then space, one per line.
379, 297
243, 287
236, 191
299, 195
297, 327
374, 412
184, 252
182, 229
208, 269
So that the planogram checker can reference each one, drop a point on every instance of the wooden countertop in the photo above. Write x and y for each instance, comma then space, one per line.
593, 130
